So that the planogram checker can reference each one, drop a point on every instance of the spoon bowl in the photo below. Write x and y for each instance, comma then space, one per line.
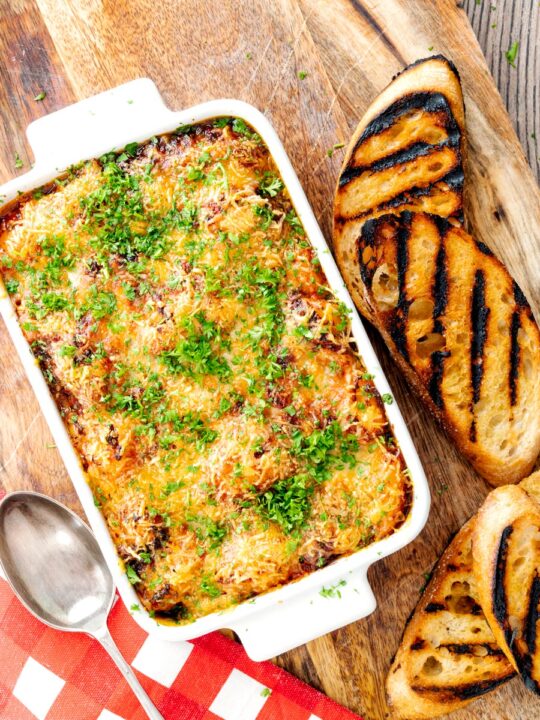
54, 563
55, 567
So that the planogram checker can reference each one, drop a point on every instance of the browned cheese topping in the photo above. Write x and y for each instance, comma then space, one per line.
203, 368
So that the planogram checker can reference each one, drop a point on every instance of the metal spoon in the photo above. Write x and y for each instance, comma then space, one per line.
55, 567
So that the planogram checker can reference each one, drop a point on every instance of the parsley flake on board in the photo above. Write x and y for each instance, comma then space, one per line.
511, 53
336, 146
427, 578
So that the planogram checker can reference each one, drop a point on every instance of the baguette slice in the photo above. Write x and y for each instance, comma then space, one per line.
462, 332
406, 153
506, 545
448, 654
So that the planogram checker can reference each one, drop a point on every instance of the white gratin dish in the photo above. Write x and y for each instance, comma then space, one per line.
295, 613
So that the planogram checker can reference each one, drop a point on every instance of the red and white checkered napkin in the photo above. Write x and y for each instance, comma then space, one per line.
47, 674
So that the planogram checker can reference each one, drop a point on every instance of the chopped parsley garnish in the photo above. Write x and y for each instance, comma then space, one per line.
207, 531
132, 575
137, 399
288, 502
208, 587
67, 351
239, 126
195, 173
266, 215
197, 354
100, 303
221, 122
293, 220
11, 286
49, 302
172, 487
131, 149
129, 291
40, 96
270, 185
325, 450
118, 222
18, 162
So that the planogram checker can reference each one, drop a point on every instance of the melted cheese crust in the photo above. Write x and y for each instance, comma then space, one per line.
203, 368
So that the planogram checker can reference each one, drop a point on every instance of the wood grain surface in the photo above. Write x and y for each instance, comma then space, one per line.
349, 50
497, 26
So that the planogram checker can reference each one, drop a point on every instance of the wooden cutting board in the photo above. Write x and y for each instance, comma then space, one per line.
346, 51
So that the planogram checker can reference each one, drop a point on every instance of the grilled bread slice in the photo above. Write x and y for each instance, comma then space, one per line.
506, 545
448, 654
462, 332
406, 153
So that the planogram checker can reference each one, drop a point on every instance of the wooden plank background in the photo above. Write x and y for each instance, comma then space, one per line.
255, 50
497, 25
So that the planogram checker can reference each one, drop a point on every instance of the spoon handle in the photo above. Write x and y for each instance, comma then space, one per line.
104, 637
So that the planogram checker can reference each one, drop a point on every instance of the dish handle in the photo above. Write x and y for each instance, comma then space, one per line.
97, 125
279, 628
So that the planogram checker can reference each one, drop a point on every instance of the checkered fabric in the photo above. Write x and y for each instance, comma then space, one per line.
51, 675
